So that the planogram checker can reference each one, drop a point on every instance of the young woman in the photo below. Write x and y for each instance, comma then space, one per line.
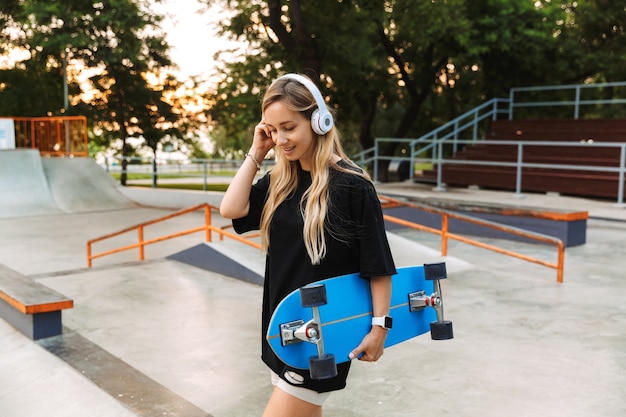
319, 217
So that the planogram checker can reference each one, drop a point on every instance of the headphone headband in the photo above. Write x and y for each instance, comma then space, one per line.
321, 119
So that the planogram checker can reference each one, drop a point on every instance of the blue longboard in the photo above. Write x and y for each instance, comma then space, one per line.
317, 326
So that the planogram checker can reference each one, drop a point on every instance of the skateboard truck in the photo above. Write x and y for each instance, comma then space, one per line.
298, 331
322, 366
440, 329
288, 332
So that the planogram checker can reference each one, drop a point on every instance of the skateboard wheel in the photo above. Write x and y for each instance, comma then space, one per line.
323, 367
441, 330
435, 271
313, 295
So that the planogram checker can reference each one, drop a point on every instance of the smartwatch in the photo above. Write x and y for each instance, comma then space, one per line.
385, 322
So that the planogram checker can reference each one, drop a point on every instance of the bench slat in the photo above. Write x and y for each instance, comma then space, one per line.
28, 296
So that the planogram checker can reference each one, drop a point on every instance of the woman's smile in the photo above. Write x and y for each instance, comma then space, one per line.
291, 132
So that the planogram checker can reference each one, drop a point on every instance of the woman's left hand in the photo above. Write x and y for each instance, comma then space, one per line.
372, 346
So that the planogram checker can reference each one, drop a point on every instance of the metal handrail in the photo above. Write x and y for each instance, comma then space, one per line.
519, 163
389, 202
576, 102
419, 148
451, 131
208, 228
192, 168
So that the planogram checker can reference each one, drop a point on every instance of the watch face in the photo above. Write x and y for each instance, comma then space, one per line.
388, 322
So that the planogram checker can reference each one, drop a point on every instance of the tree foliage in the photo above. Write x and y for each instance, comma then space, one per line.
400, 67
393, 67
116, 53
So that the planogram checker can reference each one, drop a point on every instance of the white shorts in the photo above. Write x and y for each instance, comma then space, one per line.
303, 394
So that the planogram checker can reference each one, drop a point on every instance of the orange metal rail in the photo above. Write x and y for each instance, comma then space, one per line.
208, 228
53, 136
445, 234
387, 202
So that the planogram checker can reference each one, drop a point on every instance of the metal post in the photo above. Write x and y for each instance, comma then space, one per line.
204, 169
560, 262
89, 261
124, 168
440, 186
433, 148
475, 130
444, 234
456, 135
376, 161
68, 145
207, 222
518, 179
620, 189
65, 89
577, 103
141, 245
154, 172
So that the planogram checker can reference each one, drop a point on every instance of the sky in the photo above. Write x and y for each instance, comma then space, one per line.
192, 36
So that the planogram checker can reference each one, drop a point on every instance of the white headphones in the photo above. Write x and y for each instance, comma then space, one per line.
321, 119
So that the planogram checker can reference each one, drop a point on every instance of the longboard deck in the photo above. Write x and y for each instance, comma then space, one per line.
347, 316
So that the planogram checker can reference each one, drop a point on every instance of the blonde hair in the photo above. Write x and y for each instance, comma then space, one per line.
314, 204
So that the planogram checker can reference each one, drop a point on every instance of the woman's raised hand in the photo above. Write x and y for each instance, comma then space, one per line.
262, 142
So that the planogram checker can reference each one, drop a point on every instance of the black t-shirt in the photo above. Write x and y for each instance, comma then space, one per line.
355, 242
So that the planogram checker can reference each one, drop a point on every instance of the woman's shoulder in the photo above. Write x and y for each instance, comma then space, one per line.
351, 172
351, 176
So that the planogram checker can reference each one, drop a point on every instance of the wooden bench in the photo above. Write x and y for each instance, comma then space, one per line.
587, 183
31, 307
569, 226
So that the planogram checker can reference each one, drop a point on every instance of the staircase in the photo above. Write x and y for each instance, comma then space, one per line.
569, 181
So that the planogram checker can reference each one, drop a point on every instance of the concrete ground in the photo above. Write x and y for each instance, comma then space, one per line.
163, 338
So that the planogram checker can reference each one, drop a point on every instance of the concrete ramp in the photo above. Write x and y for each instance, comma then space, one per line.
79, 184
24, 187
31, 185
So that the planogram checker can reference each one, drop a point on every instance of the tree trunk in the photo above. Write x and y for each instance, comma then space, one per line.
368, 111
123, 136
123, 177
154, 170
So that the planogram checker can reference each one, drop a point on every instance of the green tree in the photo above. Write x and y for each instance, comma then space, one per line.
379, 65
399, 68
30, 87
592, 40
121, 47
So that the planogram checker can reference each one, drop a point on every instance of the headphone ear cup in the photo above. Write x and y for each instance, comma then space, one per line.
315, 122
321, 122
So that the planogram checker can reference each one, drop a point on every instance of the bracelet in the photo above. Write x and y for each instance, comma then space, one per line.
258, 166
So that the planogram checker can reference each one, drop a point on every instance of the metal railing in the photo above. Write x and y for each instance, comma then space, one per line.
52, 136
141, 243
387, 202
197, 170
446, 234
424, 149
519, 164
470, 126
574, 97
